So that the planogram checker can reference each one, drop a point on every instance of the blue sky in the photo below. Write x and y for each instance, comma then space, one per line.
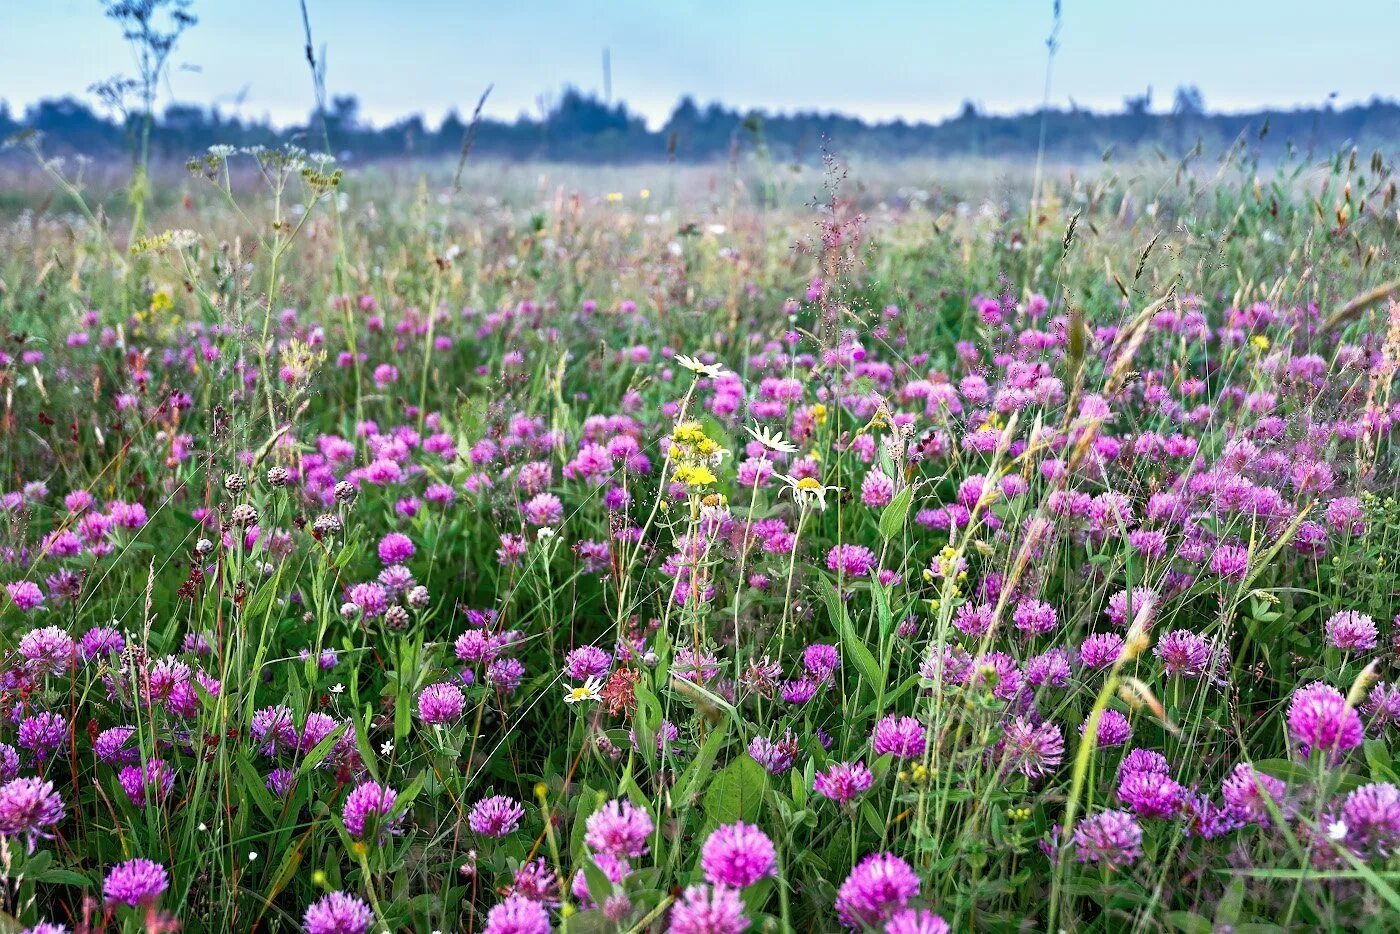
876, 58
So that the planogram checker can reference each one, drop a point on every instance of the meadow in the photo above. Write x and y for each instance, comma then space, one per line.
905, 548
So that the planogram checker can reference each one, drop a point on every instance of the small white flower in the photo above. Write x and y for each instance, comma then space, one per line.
1337, 831
337, 688
252, 855
387, 748
588, 691
772, 440
695, 366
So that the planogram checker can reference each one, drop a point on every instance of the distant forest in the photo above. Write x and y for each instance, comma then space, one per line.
580, 127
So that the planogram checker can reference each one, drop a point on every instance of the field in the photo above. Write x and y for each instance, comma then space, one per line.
903, 548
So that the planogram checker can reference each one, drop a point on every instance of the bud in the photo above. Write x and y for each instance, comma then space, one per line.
345, 492
325, 524
396, 618
419, 598
243, 515
203, 547
278, 476
235, 483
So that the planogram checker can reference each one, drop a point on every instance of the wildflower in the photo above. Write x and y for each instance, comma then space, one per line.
590, 690
877, 489
1150, 794
536, 881
614, 868
505, 674
100, 642
916, 921
776, 756
843, 781
517, 915
280, 782
338, 913
1112, 839
495, 816
1248, 793
772, 440
154, 776
47, 651
901, 737
1372, 817
619, 829
1184, 653
737, 855
367, 806
1113, 729
587, 661
1101, 650
850, 560
272, 729
704, 909
441, 703
1319, 718
135, 882
807, 491
28, 808
1033, 750
25, 595
1034, 617
1383, 704
1230, 562
395, 548
877, 887
711, 370
1351, 631
43, 733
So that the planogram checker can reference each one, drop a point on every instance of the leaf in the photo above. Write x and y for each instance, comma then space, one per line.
860, 655
697, 774
321, 750
254, 787
895, 512
736, 792
64, 877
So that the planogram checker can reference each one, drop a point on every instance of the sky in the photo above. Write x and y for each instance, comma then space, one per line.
878, 59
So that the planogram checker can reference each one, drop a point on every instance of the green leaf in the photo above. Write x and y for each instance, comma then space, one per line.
860, 655
64, 877
736, 793
895, 512
254, 787
698, 773
322, 749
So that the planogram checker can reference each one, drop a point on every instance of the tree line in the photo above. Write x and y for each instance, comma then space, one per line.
580, 127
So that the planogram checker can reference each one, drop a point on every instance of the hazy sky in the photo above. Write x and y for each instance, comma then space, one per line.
917, 59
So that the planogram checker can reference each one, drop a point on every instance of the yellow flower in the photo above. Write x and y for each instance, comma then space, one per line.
161, 302
694, 475
1259, 342
818, 413
614, 197
645, 193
